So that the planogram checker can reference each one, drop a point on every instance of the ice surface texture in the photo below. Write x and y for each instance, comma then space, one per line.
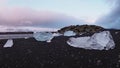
98, 41
69, 33
48, 36
9, 43
43, 36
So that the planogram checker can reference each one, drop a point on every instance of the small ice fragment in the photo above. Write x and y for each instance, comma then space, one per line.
9, 43
69, 33
56, 34
48, 41
26, 37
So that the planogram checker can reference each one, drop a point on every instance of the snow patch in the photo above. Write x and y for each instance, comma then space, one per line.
98, 41
9, 43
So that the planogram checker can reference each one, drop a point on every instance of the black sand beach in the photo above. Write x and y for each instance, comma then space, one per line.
28, 53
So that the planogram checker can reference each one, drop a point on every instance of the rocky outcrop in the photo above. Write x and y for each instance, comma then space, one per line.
78, 29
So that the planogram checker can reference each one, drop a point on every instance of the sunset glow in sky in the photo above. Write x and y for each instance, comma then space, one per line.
88, 10
38, 12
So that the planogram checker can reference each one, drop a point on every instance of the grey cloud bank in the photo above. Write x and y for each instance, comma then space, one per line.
112, 20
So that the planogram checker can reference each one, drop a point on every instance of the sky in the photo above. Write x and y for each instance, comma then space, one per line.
112, 19
52, 13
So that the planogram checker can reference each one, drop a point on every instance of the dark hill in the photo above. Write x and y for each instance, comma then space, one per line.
82, 29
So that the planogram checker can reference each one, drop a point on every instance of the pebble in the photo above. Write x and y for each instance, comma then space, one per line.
118, 65
119, 61
98, 62
116, 32
90, 61
29, 51
119, 56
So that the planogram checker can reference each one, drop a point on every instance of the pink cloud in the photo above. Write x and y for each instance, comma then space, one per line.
17, 16
3, 1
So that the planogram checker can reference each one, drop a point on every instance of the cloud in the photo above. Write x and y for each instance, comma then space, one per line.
112, 20
20, 16
3, 2
17, 16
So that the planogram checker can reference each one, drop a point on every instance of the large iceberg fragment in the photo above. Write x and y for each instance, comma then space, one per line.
69, 33
98, 41
43, 36
79, 42
104, 39
9, 43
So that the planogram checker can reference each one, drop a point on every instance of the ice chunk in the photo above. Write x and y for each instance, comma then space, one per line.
43, 36
98, 41
104, 39
9, 43
69, 33
56, 34
79, 42
26, 37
